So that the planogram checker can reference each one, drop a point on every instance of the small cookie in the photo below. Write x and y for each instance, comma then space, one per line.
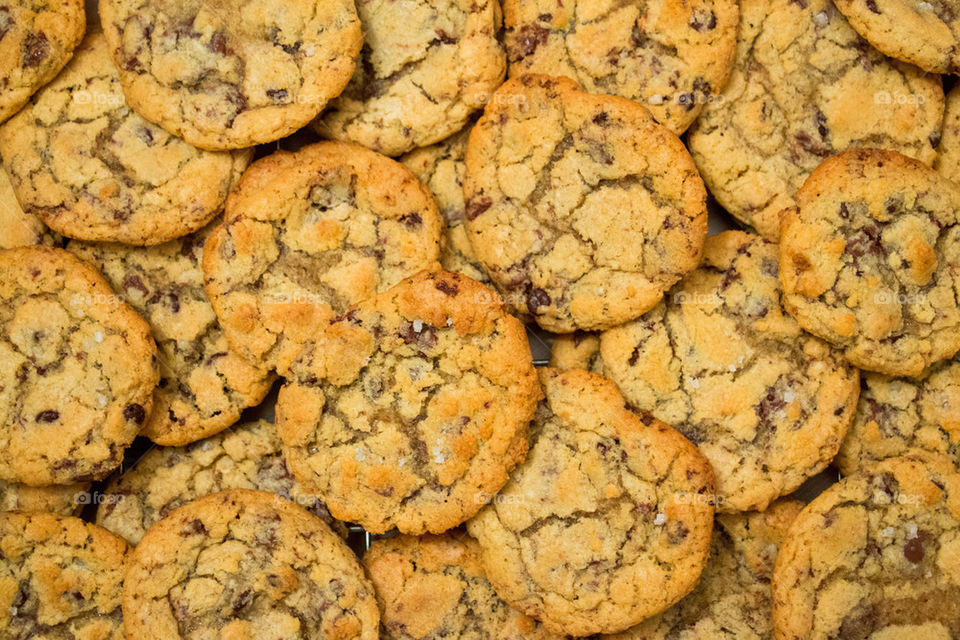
948, 152
246, 564
875, 556
412, 407
424, 68
19, 229
306, 236
91, 168
434, 588
607, 522
870, 260
244, 457
581, 208
65, 500
60, 577
231, 74
37, 38
804, 87
578, 350
77, 370
672, 57
204, 386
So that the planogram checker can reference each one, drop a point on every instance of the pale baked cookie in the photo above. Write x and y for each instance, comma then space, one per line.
413, 407
670, 56
60, 577
426, 65
309, 234
607, 522
875, 556
231, 74
720, 360
948, 152
246, 564
19, 229
804, 87
578, 350
870, 260
65, 500
581, 208
204, 386
77, 370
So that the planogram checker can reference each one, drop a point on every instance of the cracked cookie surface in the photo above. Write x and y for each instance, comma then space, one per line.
204, 386
91, 168
875, 556
720, 359
581, 208
77, 370
804, 87
246, 564
65, 500
948, 152
412, 407
608, 520
307, 235
670, 56
870, 260
20, 229
418, 84
227, 74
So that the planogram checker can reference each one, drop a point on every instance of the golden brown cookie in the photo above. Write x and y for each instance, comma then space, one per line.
65, 500
578, 350
19, 229
948, 151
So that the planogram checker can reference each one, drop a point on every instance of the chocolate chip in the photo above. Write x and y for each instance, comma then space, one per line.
477, 207
412, 220
449, 289
48, 415
218, 43
935, 138
5, 21
677, 532
634, 356
279, 96
445, 37
242, 601
135, 282
821, 120
872, 5
135, 413
194, 527
808, 144
35, 49
913, 550
528, 39
703, 20
536, 299
601, 118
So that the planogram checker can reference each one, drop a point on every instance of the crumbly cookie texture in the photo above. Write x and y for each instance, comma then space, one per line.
20, 229
37, 38
77, 370
670, 56
804, 87
581, 208
245, 457
60, 577
411, 409
875, 556
91, 168
577, 350
607, 522
948, 153
306, 236
231, 74
870, 260
417, 84
246, 564
434, 588
65, 500
767, 404
204, 385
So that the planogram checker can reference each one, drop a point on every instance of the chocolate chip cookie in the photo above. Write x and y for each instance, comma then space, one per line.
870, 260
426, 65
804, 87
231, 74
65, 500
412, 407
204, 386
306, 236
581, 208
948, 152
91, 168
246, 564
672, 57
19, 229
607, 522
578, 350
77, 370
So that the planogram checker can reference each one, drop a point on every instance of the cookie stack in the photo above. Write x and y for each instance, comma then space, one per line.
361, 206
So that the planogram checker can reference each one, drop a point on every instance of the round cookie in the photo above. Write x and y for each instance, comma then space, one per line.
204, 386
88, 166
37, 38
246, 564
65, 500
19, 229
581, 208
413, 407
875, 556
60, 577
77, 370
417, 84
948, 152
306, 236
670, 56
804, 87
767, 404
607, 522
231, 74
870, 260
434, 588
244, 457
578, 350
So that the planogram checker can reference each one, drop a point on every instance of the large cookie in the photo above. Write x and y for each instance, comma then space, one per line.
948, 153
65, 500
19, 229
